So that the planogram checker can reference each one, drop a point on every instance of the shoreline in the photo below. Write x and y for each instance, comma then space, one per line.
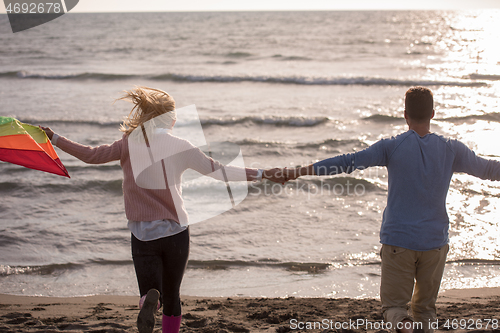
110, 313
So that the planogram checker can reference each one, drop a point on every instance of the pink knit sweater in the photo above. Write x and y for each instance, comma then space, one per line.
146, 204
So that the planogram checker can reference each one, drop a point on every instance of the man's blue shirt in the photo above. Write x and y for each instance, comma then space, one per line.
420, 170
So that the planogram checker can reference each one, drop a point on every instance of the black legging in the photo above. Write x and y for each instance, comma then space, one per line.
160, 264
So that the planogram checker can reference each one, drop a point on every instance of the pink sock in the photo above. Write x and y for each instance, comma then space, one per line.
170, 324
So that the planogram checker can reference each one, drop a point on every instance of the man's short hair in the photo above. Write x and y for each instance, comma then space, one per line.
419, 103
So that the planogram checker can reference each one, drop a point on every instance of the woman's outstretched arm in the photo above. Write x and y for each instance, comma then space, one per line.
91, 155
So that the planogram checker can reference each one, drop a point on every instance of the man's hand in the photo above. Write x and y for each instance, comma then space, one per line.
276, 175
294, 173
291, 174
282, 175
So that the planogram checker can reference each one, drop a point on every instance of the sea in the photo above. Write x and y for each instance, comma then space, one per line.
289, 89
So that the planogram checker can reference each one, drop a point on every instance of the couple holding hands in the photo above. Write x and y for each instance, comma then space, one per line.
413, 234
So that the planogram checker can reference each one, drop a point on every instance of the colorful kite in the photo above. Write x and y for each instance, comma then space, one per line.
29, 146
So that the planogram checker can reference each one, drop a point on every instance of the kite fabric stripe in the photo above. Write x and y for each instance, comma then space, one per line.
29, 146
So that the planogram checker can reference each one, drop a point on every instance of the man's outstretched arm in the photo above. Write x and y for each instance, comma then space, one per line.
375, 155
467, 161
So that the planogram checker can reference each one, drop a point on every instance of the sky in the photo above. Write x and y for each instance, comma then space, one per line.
237, 5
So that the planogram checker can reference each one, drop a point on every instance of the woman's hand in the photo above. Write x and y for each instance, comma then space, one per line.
48, 131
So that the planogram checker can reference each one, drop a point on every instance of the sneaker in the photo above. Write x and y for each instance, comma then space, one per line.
146, 318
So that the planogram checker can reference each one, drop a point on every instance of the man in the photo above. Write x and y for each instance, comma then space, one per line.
414, 231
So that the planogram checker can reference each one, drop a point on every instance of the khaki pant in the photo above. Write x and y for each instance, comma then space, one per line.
404, 269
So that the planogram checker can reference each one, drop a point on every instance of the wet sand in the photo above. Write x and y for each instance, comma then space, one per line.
458, 310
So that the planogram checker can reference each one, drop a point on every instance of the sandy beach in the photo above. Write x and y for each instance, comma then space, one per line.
470, 308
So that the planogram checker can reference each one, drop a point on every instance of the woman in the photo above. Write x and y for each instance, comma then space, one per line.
158, 223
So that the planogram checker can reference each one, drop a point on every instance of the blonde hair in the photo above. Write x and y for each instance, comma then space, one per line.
148, 103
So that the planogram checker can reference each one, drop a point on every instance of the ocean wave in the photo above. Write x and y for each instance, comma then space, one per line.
28, 189
97, 167
292, 266
8, 168
492, 116
278, 121
300, 80
58, 269
110, 186
291, 58
9, 186
50, 269
105, 262
307, 145
333, 143
297, 121
256, 142
311, 267
6, 240
292, 121
78, 76
474, 261
51, 122
382, 118
489, 77
238, 54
